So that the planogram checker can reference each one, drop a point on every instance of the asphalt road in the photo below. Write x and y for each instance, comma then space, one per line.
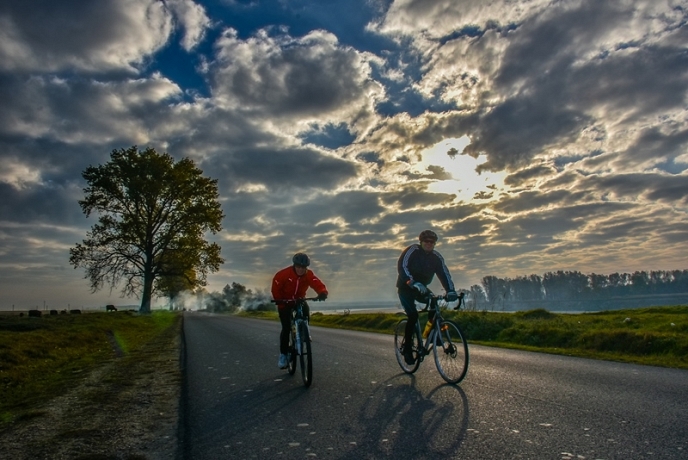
512, 404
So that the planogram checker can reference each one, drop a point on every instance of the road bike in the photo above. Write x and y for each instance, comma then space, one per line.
299, 340
446, 340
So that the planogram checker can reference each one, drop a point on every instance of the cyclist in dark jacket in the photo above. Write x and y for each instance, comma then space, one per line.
417, 266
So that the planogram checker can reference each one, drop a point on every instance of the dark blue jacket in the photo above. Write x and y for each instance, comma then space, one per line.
417, 265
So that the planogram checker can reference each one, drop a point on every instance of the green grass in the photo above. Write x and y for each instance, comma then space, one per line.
655, 336
41, 358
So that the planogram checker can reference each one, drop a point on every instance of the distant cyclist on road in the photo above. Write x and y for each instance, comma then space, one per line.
291, 283
417, 266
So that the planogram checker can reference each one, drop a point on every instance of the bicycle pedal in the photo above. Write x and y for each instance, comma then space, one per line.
444, 327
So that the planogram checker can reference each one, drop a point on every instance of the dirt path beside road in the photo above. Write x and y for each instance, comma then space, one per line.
125, 409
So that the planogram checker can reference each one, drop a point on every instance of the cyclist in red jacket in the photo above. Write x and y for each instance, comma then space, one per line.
416, 267
291, 283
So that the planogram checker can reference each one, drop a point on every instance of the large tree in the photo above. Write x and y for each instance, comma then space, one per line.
153, 215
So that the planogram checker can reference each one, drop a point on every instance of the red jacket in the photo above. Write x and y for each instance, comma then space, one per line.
286, 285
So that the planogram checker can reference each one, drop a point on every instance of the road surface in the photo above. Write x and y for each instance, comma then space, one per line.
512, 404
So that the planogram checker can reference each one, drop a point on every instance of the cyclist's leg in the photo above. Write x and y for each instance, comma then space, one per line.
306, 311
407, 299
408, 303
285, 319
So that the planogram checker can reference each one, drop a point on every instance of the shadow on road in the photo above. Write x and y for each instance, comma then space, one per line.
402, 422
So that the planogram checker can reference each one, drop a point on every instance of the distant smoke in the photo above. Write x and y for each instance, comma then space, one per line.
232, 298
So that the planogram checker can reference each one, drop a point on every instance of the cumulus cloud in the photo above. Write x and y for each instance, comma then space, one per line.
299, 79
88, 110
81, 35
194, 20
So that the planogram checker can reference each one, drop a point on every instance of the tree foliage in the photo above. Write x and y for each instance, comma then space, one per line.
153, 214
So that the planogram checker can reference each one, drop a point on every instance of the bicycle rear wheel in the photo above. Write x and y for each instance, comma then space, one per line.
291, 363
306, 356
451, 352
399, 333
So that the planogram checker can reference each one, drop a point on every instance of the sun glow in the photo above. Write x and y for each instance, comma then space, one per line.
464, 182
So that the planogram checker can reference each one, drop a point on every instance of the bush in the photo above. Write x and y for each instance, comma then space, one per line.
539, 313
483, 326
637, 343
539, 335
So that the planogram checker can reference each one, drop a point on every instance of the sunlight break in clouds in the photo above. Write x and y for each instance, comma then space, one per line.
465, 182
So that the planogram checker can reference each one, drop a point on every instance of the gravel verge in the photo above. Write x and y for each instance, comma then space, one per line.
126, 409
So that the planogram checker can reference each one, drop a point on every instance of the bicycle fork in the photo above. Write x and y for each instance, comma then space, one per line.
299, 340
298, 337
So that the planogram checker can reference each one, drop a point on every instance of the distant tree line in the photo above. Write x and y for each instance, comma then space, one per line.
563, 289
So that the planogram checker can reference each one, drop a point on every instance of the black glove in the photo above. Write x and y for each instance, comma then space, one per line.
322, 296
452, 296
420, 287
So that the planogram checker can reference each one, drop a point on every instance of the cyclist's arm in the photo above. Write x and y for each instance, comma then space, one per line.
443, 274
279, 282
315, 283
403, 266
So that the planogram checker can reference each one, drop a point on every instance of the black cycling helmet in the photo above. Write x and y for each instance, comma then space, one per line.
427, 235
301, 259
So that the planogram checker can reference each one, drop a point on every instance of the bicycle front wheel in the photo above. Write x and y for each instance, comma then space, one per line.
451, 352
306, 356
399, 333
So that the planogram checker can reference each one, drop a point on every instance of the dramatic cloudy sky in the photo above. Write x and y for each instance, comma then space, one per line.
531, 135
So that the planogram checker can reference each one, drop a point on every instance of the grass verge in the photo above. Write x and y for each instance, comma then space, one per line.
41, 358
655, 336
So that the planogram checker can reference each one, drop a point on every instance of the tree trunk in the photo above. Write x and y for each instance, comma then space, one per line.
147, 293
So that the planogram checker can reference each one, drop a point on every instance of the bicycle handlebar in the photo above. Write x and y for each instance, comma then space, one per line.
441, 297
293, 300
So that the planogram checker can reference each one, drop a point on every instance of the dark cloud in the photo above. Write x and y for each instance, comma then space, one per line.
514, 132
78, 34
653, 146
281, 169
414, 195
551, 40
641, 80
528, 174
45, 203
532, 200
655, 187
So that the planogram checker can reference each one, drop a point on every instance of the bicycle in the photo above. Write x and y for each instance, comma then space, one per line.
446, 340
299, 340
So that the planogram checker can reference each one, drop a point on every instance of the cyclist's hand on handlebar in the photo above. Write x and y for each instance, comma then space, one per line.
322, 296
420, 287
452, 296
